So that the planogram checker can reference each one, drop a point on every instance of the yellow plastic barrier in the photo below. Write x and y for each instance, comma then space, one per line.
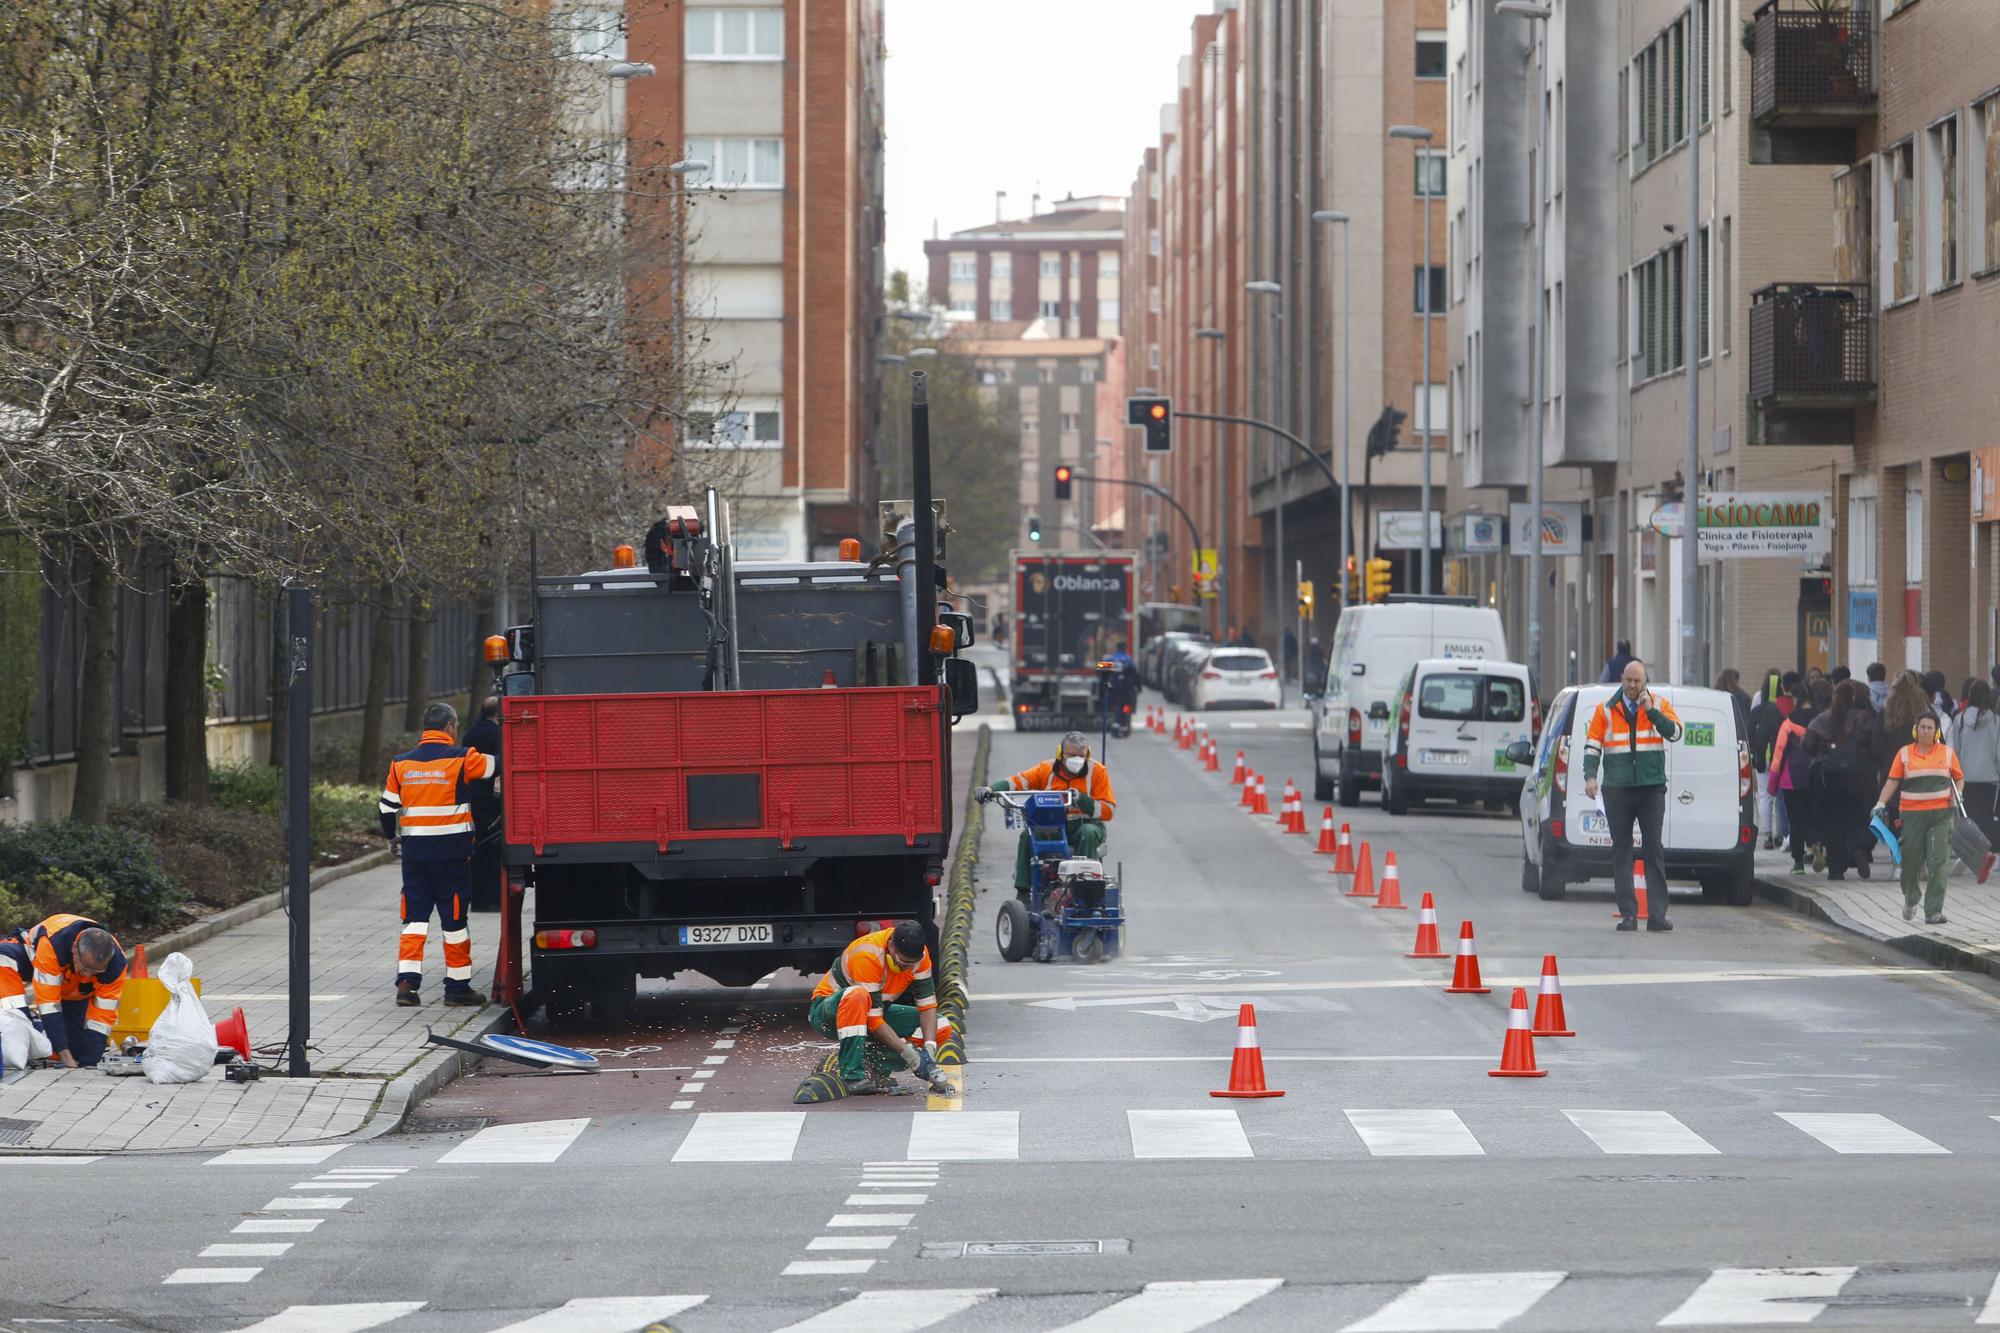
144, 1000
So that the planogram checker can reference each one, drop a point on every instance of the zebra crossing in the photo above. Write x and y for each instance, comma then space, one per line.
1526, 1301
1166, 1133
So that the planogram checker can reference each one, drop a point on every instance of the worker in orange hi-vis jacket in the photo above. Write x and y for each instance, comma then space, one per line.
425, 799
852, 1005
70, 972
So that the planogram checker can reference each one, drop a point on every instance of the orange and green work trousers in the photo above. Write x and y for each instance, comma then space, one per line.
843, 1017
444, 887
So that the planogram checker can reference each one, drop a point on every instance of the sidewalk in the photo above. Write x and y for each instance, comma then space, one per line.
369, 1059
1970, 938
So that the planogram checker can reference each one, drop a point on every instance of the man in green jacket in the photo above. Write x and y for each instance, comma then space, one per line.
1625, 752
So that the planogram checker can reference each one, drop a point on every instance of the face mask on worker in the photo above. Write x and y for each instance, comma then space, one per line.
1075, 764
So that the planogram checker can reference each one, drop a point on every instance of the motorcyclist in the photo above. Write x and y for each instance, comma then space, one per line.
1121, 689
1071, 770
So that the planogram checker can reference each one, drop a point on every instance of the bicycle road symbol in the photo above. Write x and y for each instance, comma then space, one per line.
617, 1053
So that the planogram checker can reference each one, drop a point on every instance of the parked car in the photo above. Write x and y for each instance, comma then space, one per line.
1236, 678
1183, 663
1450, 725
1710, 831
1153, 657
1373, 646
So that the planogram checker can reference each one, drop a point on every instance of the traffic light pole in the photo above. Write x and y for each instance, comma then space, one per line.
1194, 534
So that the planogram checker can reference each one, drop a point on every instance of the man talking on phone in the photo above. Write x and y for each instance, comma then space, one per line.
1626, 750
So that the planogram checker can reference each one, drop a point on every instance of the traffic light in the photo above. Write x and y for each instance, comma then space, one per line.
1063, 475
1350, 586
1387, 431
1157, 416
1379, 572
1305, 599
1034, 527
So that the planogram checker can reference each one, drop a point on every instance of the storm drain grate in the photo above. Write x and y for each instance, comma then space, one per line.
14, 1133
446, 1124
1021, 1249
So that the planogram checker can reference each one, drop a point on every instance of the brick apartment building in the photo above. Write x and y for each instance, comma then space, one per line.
784, 101
1059, 268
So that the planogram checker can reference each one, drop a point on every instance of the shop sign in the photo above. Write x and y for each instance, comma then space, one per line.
1762, 525
1561, 528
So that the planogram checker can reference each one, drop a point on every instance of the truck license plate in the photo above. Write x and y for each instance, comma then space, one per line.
730, 934
1442, 757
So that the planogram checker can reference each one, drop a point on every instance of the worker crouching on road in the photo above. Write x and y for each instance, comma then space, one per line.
1071, 770
426, 798
852, 1005
71, 972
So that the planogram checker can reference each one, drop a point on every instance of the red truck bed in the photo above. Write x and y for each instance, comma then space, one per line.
676, 768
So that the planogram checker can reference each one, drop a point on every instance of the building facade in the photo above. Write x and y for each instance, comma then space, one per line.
783, 100
1060, 268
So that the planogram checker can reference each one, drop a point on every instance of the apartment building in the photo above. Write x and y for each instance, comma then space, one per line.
1059, 268
783, 100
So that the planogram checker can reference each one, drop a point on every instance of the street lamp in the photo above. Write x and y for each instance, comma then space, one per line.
1419, 136
1276, 291
1538, 14
1218, 336
1337, 218
922, 353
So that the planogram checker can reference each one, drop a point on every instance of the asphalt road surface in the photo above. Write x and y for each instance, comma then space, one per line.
1758, 1124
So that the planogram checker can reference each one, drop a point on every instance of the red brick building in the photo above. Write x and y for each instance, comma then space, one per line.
1061, 268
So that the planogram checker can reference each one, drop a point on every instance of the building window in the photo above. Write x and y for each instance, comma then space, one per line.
1153, 357
1000, 309
1430, 172
1002, 264
735, 164
1435, 286
1657, 90
1861, 540
962, 305
1071, 423
1913, 537
1086, 375
1107, 315
1701, 294
1659, 314
1030, 426
1439, 407
1153, 241
1941, 203
735, 34
745, 428
1076, 268
1107, 265
1052, 266
593, 30
1983, 185
1724, 304
964, 268
1052, 310
1899, 223
1430, 53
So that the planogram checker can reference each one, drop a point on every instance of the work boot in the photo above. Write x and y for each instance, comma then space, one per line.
406, 995
1659, 923
1627, 923
1937, 920
1909, 911
464, 999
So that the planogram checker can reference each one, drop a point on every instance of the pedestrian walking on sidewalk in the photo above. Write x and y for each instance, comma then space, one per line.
1878, 685
1842, 745
427, 796
1974, 737
1925, 775
1626, 747
1765, 719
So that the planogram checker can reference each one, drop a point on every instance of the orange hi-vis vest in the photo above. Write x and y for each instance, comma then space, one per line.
1927, 776
865, 963
426, 796
1094, 782
52, 946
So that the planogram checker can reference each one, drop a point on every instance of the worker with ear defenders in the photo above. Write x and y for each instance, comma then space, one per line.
1071, 770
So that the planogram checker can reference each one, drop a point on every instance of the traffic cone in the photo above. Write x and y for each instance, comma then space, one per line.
1343, 856
1211, 762
1392, 887
1285, 808
1249, 798
1298, 813
1517, 1052
1236, 774
1186, 738
1263, 806
1465, 972
1638, 889
1364, 875
1427, 932
233, 1032
138, 968
1329, 840
1246, 1069
1549, 1018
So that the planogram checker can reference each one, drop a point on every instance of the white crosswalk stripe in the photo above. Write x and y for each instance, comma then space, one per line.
1860, 1133
744, 1136
1991, 1313
892, 1311
1414, 1134
966, 1136
1174, 1307
1460, 1301
303, 1155
334, 1318
532, 1141
1760, 1296
1639, 1132
1187, 1134
605, 1314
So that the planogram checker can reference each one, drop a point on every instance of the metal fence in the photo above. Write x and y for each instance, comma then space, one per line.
1812, 341
1812, 64
239, 647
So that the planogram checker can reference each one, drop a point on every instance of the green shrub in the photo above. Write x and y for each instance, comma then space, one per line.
67, 891
118, 862
17, 911
336, 807
221, 857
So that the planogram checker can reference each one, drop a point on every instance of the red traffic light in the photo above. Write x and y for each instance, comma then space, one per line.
1158, 411
1063, 473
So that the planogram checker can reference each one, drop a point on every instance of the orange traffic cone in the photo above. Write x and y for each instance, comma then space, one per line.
1211, 762
1298, 813
1427, 932
1329, 840
1465, 972
138, 968
1285, 808
1249, 798
1638, 889
234, 1033
1517, 1052
1236, 774
1263, 806
1392, 888
1549, 1018
1186, 738
1246, 1069
1364, 875
1343, 856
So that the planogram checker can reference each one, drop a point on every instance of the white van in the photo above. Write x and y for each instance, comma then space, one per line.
1710, 831
1450, 725
1373, 646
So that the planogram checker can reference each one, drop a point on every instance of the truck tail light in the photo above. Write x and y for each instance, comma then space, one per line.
1403, 715
566, 939
1354, 726
934, 877
1534, 719
1556, 829
1746, 835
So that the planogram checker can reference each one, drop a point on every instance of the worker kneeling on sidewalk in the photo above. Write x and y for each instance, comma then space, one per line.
1071, 770
71, 972
852, 1005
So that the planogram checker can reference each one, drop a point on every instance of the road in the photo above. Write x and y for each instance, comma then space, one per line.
1808, 1135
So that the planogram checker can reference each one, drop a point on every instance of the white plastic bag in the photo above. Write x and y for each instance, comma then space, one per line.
20, 1040
181, 1047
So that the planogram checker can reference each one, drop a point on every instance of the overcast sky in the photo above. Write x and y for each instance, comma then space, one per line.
1055, 96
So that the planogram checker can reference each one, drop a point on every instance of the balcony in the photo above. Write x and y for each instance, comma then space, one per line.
1811, 67
1812, 360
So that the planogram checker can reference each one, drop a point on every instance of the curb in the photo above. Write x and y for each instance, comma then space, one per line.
1925, 948
430, 1073
210, 926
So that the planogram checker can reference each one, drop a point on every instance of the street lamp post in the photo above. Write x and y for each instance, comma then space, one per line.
1538, 14
682, 170
1419, 136
1276, 291
1222, 473
1340, 219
